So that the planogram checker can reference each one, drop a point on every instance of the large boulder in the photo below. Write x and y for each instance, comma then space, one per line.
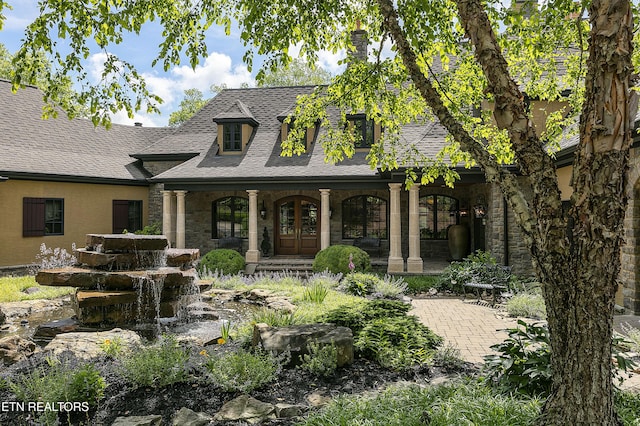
247, 409
153, 420
187, 417
15, 348
296, 339
89, 344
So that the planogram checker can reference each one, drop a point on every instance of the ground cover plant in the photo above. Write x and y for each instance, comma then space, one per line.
479, 267
12, 289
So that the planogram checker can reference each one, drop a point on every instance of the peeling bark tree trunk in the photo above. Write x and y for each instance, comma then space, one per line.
581, 301
579, 272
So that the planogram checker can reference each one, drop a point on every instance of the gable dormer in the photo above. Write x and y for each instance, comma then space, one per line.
285, 128
235, 127
367, 131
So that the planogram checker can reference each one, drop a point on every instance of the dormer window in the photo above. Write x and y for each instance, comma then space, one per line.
366, 131
232, 137
287, 127
236, 127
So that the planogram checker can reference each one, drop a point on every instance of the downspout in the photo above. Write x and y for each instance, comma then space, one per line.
506, 232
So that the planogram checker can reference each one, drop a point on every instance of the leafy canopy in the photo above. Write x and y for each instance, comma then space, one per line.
545, 54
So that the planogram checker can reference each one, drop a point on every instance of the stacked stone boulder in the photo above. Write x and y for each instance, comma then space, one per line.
126, 278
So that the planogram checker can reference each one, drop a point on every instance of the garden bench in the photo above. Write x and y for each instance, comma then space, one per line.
495, 289
233, 243
368, 244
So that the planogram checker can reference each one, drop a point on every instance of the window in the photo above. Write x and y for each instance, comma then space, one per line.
232, 137
230, 217
364, 130
364, 216
127, 214
42, 216
437, 213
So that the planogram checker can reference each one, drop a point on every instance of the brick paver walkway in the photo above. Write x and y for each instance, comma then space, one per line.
469, 327
473, 329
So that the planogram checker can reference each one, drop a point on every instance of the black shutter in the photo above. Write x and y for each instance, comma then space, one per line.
120, 216
33, 217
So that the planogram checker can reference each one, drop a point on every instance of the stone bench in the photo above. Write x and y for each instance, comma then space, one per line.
493, 288
369, 244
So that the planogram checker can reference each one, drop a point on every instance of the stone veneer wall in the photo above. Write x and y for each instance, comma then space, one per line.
519, 258
630, 253
155, 190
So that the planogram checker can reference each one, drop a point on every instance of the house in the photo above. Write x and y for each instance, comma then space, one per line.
63, 179
220, 175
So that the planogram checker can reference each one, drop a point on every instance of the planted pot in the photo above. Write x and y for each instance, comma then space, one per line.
458, 238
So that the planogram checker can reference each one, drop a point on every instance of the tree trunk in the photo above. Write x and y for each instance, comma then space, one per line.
578, 269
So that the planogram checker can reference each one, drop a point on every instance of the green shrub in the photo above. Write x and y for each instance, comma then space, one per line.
480, 267
275, 318
158, 365
397, 342
335, 259
57, 382
421, 283
457, 403
526, 305
224, 261
242, 371
152, 229
390, 288
356, 317
448, 357
628, 407
523, 364
359, 284
86, 384
322, 360
315, 293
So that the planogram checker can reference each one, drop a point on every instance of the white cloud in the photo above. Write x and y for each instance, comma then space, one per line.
217, 69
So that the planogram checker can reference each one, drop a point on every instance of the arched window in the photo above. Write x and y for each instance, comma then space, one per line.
230, 217
364, 216
437, 213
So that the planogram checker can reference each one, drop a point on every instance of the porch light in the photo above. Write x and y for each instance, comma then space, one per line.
480, 209
263, 211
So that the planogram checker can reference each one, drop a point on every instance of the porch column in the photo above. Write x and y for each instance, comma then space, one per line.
180, 219
325, 219
253, 254
396, 262
414, 262
167, 217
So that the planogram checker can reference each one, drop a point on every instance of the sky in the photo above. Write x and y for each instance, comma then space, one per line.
222, 66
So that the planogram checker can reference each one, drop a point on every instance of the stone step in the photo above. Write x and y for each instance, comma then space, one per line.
125, 242
119, 280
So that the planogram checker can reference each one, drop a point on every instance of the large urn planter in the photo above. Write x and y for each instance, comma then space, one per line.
458, 238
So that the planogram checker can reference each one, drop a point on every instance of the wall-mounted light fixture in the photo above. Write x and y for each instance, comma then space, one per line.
263, 211
480, 208
464, 209
330, 211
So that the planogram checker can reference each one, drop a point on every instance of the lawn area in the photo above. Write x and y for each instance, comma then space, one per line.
12, 289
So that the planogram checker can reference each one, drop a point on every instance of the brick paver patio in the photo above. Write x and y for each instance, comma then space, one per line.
473, 328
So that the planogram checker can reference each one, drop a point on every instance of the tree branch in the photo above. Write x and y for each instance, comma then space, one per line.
493, 171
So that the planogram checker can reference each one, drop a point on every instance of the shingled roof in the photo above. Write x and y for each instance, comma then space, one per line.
63, 149
261, 161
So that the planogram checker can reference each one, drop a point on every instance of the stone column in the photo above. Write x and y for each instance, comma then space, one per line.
167, 217
325, 219
253, 254
396, 262
180, 219
414, 262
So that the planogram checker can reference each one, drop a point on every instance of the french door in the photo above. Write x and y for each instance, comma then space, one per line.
298, 226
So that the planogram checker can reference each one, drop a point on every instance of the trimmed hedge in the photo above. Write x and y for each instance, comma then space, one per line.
225, 261
336, 259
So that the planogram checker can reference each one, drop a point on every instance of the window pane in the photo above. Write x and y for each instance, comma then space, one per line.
363, 129
135, 216
54, 217
364, 216
232, 137
437, 213
231, 217
447, 215
287, 218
